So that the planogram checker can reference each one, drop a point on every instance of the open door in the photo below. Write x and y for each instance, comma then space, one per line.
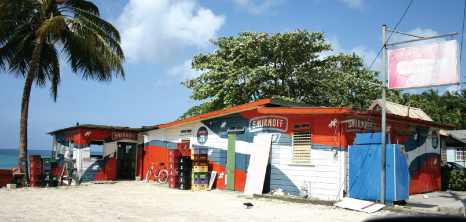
126, 161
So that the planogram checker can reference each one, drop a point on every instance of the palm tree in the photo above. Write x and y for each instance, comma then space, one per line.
33, 31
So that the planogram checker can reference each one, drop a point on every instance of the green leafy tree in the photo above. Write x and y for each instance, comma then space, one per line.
448, 108
34, 32
289, 66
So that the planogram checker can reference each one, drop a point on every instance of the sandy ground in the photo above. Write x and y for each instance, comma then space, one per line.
139, 201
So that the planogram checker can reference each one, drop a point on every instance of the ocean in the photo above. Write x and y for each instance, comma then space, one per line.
9, 157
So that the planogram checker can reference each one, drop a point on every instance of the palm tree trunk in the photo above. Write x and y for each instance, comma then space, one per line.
22, 154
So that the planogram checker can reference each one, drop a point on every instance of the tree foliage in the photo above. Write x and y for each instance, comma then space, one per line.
33, 35
448, 108
289, 66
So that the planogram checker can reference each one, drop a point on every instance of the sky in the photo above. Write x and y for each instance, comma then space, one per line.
160, 37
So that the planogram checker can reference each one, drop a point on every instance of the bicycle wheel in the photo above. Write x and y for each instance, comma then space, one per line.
163, 176
149, 172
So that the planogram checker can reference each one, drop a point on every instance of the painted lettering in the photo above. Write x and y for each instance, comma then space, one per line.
276, 123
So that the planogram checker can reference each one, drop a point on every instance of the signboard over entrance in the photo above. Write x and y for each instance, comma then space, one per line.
424, 66
124, 135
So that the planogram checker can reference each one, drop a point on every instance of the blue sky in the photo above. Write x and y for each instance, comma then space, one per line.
160, 37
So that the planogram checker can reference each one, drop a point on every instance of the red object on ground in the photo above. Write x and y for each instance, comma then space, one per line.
5, 177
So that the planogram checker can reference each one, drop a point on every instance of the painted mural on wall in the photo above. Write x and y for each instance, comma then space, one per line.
76, 144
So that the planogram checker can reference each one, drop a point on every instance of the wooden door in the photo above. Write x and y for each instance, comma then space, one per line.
231, 158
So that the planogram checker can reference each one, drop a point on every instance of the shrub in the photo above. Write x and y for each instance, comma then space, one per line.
453, 180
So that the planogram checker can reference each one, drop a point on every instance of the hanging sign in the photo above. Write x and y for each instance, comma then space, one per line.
435, 140
202, 135
424, 66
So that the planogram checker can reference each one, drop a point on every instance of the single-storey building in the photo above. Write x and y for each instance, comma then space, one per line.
456, 147
101, 152
308, 146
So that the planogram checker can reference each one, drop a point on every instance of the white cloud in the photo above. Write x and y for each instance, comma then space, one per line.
367, 55
452, 89
184, 71
156, 32
417, 31
256, 8
354, 3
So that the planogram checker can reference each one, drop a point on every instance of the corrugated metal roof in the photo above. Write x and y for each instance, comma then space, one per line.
102, 127
459, 135
401, 110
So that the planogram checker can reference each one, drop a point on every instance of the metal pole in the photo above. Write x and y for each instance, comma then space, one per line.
424, 38
384, 135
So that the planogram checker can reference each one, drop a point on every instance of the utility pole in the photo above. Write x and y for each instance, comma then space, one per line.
384, 113
384, 91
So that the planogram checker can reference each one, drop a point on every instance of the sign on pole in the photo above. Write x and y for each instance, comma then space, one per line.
424, 66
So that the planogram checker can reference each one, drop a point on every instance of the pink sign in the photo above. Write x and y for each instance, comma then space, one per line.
424, 66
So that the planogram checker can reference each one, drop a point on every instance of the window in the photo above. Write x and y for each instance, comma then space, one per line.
301, 147
71, 149
185, 132
301, 126
97, 149
459, 153
58, 148
233, 129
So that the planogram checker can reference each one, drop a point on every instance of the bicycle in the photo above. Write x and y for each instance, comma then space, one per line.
160, 174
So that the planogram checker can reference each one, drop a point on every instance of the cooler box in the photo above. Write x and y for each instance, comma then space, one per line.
365, 167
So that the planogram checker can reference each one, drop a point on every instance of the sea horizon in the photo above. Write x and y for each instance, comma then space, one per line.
9, 157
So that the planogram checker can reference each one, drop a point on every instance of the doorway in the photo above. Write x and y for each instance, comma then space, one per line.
231, 159
126, 161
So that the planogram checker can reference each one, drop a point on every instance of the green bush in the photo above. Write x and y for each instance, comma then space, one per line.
453, 179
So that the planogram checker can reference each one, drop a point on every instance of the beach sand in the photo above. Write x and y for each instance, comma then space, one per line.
140, 201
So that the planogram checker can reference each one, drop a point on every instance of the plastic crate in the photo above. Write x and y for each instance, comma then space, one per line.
46, 183
35, 171
200, 169
184, 145
55, 171
184, 173
184, 159
200, 163
185, 167
35, 164
47, 166
173, 185
174, 153
185, 179
185, 152
34, 183
184, 186
200, 157
44, 177
172, 172
45, 160
34, 158
201, 150
201, 181
199, 187
200, 175
54, 164
173, 159
172, 179
172, 165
